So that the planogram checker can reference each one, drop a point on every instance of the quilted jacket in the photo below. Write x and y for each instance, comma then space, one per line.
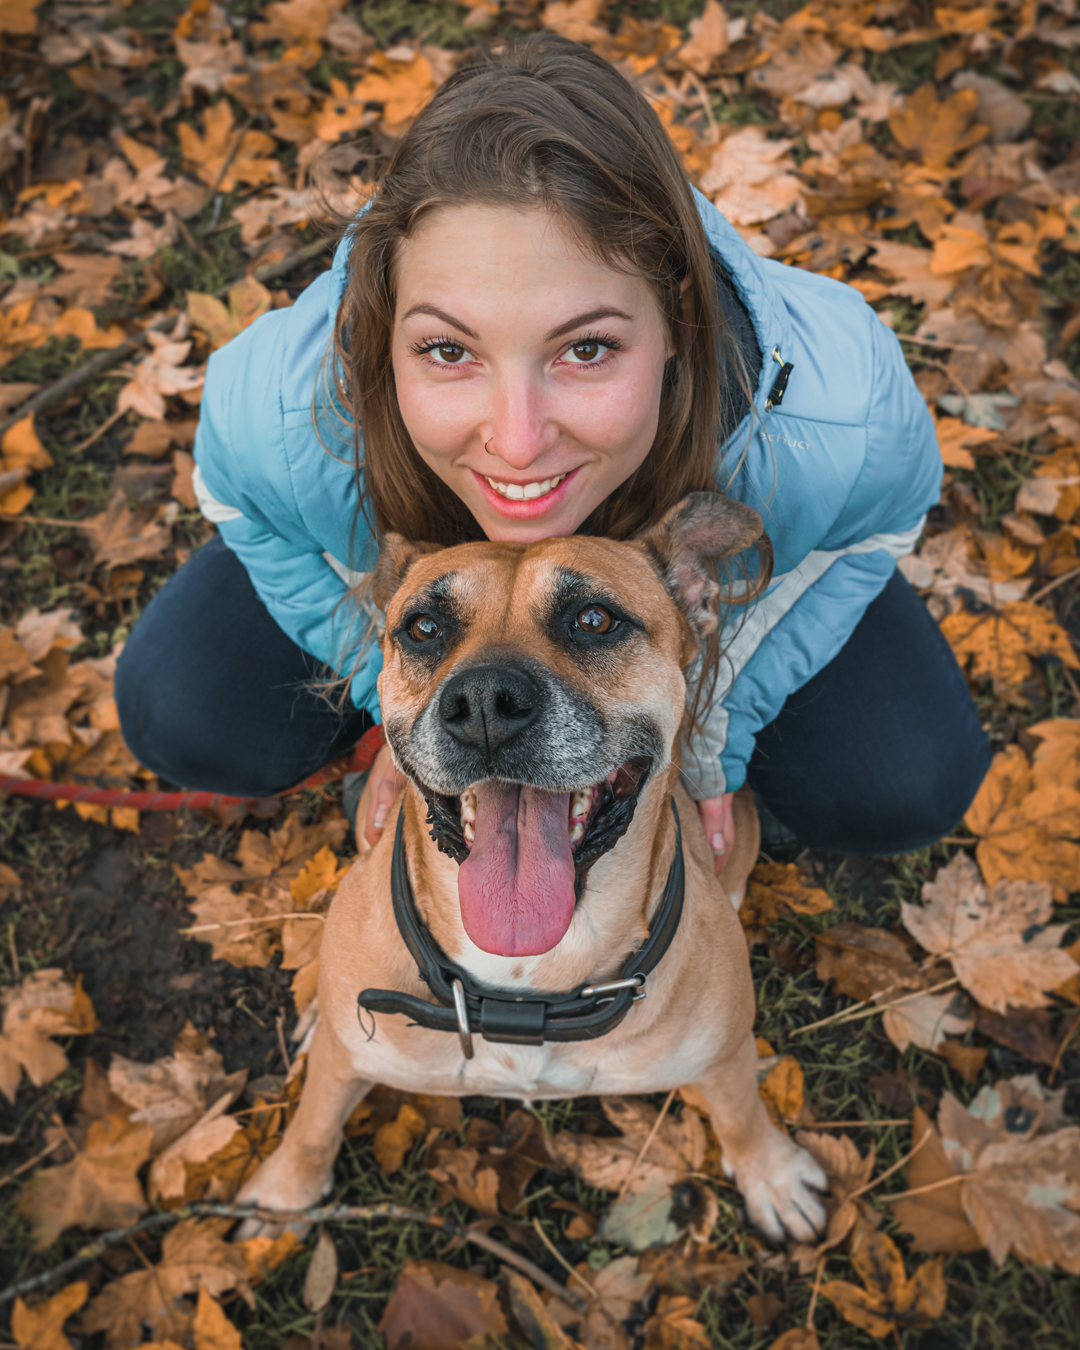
843, 470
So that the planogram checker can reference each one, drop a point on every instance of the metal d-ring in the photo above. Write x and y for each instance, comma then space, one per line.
462, 1009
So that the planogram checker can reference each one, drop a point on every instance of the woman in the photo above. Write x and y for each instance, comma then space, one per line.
538, 327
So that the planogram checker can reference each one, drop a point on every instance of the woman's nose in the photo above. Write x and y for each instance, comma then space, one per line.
522, 428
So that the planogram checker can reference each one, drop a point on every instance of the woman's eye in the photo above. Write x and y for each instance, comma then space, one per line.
424, 629
596, 619
586, 353
447, 353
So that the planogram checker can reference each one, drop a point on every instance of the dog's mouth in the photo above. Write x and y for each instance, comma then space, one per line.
524, 852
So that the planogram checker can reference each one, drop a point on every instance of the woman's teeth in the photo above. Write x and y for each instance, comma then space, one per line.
525, 492
580, 806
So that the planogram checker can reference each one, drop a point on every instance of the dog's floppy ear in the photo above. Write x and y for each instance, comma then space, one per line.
396, 555
702, 527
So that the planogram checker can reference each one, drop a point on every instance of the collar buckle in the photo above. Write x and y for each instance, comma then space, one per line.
461, 1008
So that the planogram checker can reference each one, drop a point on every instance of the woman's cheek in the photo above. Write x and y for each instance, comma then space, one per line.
438, 418
618, 415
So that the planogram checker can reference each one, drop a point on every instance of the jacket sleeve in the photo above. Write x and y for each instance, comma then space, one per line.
808, 614
259, 519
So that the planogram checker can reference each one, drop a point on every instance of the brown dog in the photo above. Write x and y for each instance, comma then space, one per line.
533, 696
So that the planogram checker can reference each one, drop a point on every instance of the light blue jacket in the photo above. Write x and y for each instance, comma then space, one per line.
843, 472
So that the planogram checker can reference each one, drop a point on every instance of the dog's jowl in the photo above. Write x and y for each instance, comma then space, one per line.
540, 918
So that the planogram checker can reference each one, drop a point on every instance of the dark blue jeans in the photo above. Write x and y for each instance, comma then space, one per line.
881, 752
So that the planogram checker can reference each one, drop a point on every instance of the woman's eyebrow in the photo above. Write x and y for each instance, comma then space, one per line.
590, 316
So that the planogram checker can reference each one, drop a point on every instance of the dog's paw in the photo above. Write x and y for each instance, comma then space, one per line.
284, 1185
780, 1184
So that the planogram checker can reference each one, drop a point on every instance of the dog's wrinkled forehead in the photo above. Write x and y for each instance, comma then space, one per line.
573, 603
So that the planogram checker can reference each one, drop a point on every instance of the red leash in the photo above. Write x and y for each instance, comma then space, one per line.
358, 760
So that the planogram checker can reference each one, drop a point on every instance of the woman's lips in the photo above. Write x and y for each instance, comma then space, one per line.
528, 509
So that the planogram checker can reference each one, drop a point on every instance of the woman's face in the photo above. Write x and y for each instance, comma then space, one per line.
509, 335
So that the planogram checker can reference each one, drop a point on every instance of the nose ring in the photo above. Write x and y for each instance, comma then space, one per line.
487, 443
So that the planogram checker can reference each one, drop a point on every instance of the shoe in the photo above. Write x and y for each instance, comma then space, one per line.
777, 842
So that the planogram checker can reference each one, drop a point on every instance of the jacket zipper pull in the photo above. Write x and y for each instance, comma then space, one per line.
776, 393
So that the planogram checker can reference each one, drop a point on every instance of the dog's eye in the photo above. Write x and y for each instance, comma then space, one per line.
596, 619
424, 628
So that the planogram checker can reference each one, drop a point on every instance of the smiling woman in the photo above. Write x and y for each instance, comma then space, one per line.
538, 328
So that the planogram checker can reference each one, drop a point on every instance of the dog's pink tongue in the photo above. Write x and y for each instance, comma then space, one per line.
516, 888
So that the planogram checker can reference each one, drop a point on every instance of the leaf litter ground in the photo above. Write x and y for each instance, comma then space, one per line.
158, 971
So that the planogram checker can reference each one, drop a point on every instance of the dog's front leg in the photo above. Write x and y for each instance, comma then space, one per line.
301, 1171
778, 1180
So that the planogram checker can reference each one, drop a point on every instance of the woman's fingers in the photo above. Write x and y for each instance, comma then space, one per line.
385, 783
719, 823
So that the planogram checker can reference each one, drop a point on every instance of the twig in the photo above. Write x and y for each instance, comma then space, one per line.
870, 1185
109, 421
26, 1166
646, 1145
1057, 581
932, 342
852, 1124
44, 520
16, 972
318, 1214
279, 1026
590, 1292
815, 1291
858, 1011
1059, 1054
112, 356
227, 161
955, 839
922, 1190
237, 923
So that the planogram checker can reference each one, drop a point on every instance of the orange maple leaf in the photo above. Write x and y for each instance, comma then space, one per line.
998, 644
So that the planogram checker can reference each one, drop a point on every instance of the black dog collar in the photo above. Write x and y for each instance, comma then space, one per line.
501, 1015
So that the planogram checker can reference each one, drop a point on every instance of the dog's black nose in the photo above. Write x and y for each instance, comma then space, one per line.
486, 706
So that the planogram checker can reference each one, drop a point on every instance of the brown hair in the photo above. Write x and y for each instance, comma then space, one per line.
543, 122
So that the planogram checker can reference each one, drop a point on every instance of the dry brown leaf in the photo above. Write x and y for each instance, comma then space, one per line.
798, 1338
213, 1330
322, 1274
161, 375
194, 1257
1021, 1168
99, 1188
678, 1147
888, 1301
999, 645
865, 961
394, 1139
210, 152
937, 130
206, 1139
172, 1093
776, 889
927, 1020
248, 300
748, 177
848, 1172
1056, 759
935, 1219
121, 535
1025, 832
708, 38
439, 1307
782, 1090
42, 1006
264, 1254
998, 940
42, 1326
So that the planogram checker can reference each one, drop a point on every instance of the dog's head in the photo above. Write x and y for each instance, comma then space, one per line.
531, 691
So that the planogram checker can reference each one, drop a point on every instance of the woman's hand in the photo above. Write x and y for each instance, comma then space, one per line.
716, 816
383, 787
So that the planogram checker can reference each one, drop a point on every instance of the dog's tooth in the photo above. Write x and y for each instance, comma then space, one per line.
468, 831
577, 832
531, 490
579, 804
468, 806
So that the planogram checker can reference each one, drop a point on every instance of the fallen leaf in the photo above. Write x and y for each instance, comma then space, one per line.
748, 177
262, 1255
889, 1300
205, 1140
708, 38
213, 1330
782, 1090
194, 1258
926, 1021
159, 376
42, 1326
776, 889
172, 1093
245, 153
322, 1274
43, 1005
1025, 832
99, 1188
998, 645
935, 1219
934, 129
864, 961
121, 535
438, 1307
248, 300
